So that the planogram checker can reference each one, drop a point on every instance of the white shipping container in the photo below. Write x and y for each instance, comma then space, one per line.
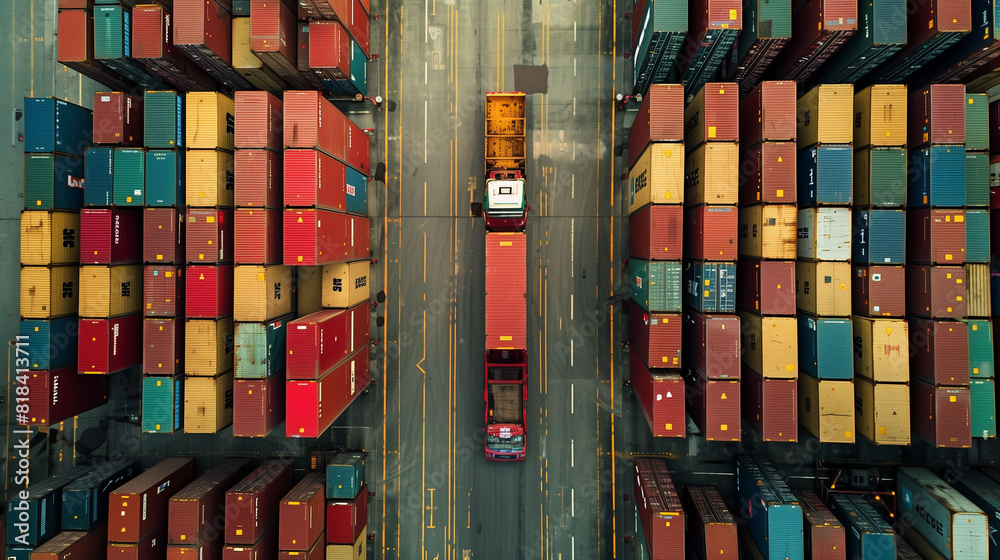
825, 234
952, 524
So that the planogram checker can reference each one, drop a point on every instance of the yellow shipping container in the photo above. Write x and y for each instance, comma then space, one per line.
711, 174
657, 176
345, 284
208, 346
356, 551
110, 291
880, 116
247, 63
977, 281
882, 411
263, 292
49, 292
823, 288
826, 408
770, 345
49, 237
882, 349
208, 403
825, 114
309, 290
209, 178
769, 231
209, 121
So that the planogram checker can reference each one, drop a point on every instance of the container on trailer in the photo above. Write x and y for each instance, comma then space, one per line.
258, 120
196, 509
209, 120
936, 115
317, 343
139, 506
164, 178
977, 235
658, 507
939, 351
768, 113
313, 179
49, 292
880, 176
770, 345
950, 522
882, 411
655, 336
56, 395
312, 406
936, 177
110, 235
881, 349
766, 287
775, 519
824, 234
824, 115
825, 347
152, 547
163, 235
869, 535
314, 236
163, 119
265, 292
657, 177
711, 174
310, 121
713, 342
713, 527
826, 408
936, 291
880, 116
110, 345
99, 175
879, 237
714, 405
209, 235
711, 233
162, 404
346, 518
660, 119
258, 405
982, 408
977, 178
117, 118
980, 348
656, 232
209, 291
879, 291
85, 500
823, 288
769, 405
821, 179
710, 287
257, 236
54, 125
260, 348
53, 342
824, 534
357, 192
983, 491
163, 291
656, 285
208, 346
209, 178
163, 346
258, 176
345, 475
36, 518
251, 503
767, 174
49, 238
208, 403
977, 280
301, 518
661, 398
345, 284
977, 121
713, 114
53, 182
70, 544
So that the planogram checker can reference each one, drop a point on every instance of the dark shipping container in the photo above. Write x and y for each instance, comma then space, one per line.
935, 236
251, 503
110, 345
85, 500
258, 405
110, 236
938, 292
56, 395
770, 406
767, 173
117, 118
713, 344
139, 506
824, 534
712, 527
197, 511
711, 233
209, 235
879, 291
301, 516
939, 352
941, 415
714, 405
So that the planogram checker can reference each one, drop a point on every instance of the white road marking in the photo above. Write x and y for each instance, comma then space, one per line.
572, 541
572, 180
572, 397
572, 502
574, 67
571, 307
572, 255
426, 20
572, 453
574, 104
574, 31
571, 352
425, 73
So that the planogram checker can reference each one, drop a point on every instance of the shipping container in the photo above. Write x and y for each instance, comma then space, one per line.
308, 289
346, 519
153, 547
257, 236
208, 403
152, 42
209, 178
881, 33
36, 518
117, 118
936, 114
767, 174
984, 492
714, 26
952, 524
767, 113
356, 551
936, 291
162, 404
714, 405
314, 237
977, 179
258, 120
870, 536
345, 475
823, 532
824, 115
301, 518
208, 346
358, 148
825, 347
819, 30
505, 305
980, 348
54, 125
319, 342
823, 288
70, 544
110, 236
713, 343
53, 342
258, 178
310, 121
264, 292
712, 527
113, 45
774, 515
139, 506
769, 406
660, 119
879, 291
766, 287
163, 235
249, 66
941, 415
661, 398
936, 176
657, 177
258, 405
982, 408
313, 179
85, 500
880, 116
163, 119
977, 235
879, 237
209, 291
880, 176
977, 280
656, 337
658, 508
163, 346
710, 287
57, 395
110, 345
49, 238
50, 292
209, 235
824, 234
881, 349
711, 233
198, 508
164, 182
357, 192
940, 351
882, 411
274, 39
75, 50
99, 175
312, 406
329, 46
260, 348
713, 114
209, 120
821, 179
711, 174
345, 284
53, 182
656, 232
209, 549
317, 552
826, 408
770, 345
251, 503
163, 291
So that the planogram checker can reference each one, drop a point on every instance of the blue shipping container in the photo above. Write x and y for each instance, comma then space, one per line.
826, 347
85, 501
824, 175
165, 178
53, 125
357, 192
18, 553
53, 182
773, 514
869, 536
100, 176
53, 342
162, 404
345, 475
39, 514
710, 287
977, 236
937, 177
879, 237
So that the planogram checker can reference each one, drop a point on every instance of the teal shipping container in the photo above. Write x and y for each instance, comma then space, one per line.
656, 285
100, 176
164, 178
18, 553
983, 491
345, 475
130, 176
881, 34
879, 237
980, 348
52, 342
357, 192
359, 68
85, 501
241, 7
773, 514
937, 177
977, 236
163, 119
113, 45
260, 348
880, 177
983, 408
826, 347
162, 404
868, 534
55, 126
658, 31
41, 516
977, 178
952, 524
822, 175
53, 182
977, 117
710, 287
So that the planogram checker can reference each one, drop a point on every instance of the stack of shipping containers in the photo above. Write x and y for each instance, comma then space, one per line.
711, 330
878, 281
208, 333
302, 520
138, 510
196, 509
937, 292
656, 223
774, 515
346, 506
661, 518
766, 274
252, 511
823, 270
164, 257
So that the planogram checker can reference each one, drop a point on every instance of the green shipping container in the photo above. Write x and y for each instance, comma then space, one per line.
53, 182
162, 404
983, 408
977, 121
826, 347
260, 348
345, 475
880, 177
980, 348
163, 119
977, 236
764, 20
164, 178
656, 285
977, 178
130, 176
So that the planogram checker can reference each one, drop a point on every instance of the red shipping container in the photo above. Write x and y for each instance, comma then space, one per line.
660, 119
825, 537
258, 405
659, 508
358, 148
879, 291
152, 43
939, 351
714, 405
329, 50
767, 173
713, 527
163, 346
935, 236
209, 291
313, 122
54, 396
941, 415
273, 30
197, 510
258, 236
73, 544
110, 235
656, 232
770, 406
313, 179
716, 116
117, 118
317, 552
359, 235
252, 503
311, 406
153, 547
139, 507
209, 235
713, 344
76, 4
163, 290
710, 233
258, 176
655, 336
360, 26
258, 121
937, 112
107, 346
768, 114
936, 291
661, 397
265, 549
347, 519
204, 22
163, 235
314, 237
506, 289
300, 514
766, 287
320, 341
209, 549
75, 48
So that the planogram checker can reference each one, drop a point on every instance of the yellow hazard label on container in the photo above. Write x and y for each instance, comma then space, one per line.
210, 220
711, 132
948, 257
506, 338
953, 398
260, 276
168, 274
789, 367
959, 219
732, 14
159, 257
671, 426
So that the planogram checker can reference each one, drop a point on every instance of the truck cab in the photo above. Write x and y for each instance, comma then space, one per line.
506, 396
505, 204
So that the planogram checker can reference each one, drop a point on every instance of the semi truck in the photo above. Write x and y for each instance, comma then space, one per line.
505, 386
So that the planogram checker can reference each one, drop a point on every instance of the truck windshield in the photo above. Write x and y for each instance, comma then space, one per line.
496, 443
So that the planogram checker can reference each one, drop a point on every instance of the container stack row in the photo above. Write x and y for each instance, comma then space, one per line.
346, 506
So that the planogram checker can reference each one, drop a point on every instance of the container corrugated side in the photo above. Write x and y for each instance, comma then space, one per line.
660, 396
258, 120
882, 411
824, 233
315, 237
49, 292
209, 291
56, 395
140, 506
85, 500
53, 182
657, 176
980, 348
711, 174
954, 525
713, 114
209, 178
313, 179
879, 291
209, 121
53, 342
826, 408
713, 527
257, 236
251, 503
162, 404
345, 284
345, 474
258, 406
936, 112
767, 174
258, 178
823, 288
982, 408
936, 177
660, 119
164, 178
208, 403
939, 351
714, 405
99, 176
54, 125
163, 346
506, 299
824, 115
301, 518
163, 291
881, 349
195, 508
768, 231
977, 178
209, 233
977, 121
317, 343
163, 236
880, 176
770, 345
208, 346
110, 291
825, 347
880, 116
713, 344
821, 179
766, 287
868, 535
110, 345
163, 119
941, 415
936, 291
260, 348
711, 233
879, 237
312, 406
49, 238
110, 236
130, 177
263, 293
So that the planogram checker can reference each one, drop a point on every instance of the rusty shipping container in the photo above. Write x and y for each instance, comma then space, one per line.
257, 236
881, 349
251, 504
712, 527
138, 507
209, 236
660, 119
712, 344
209, 291
110, 236
49, 238
152, 547
769, 345
941, 415
312, 406
656, 337
107, 346
660, 396
163, 235
939, 351
882, 411
659, 508
825, 234
770, 406
117, 118
345, 284
768, 114
768, 231
711, 233
879, 291
59, 394
346, 519
824, 533
317, 343
714, 405
258, 405
936, 115
257, 179
766, 287
163, 290
163, 346
301, 517
767, 174
713, 115
208, 346
197, 510
823, 288
656, 232
657, 176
